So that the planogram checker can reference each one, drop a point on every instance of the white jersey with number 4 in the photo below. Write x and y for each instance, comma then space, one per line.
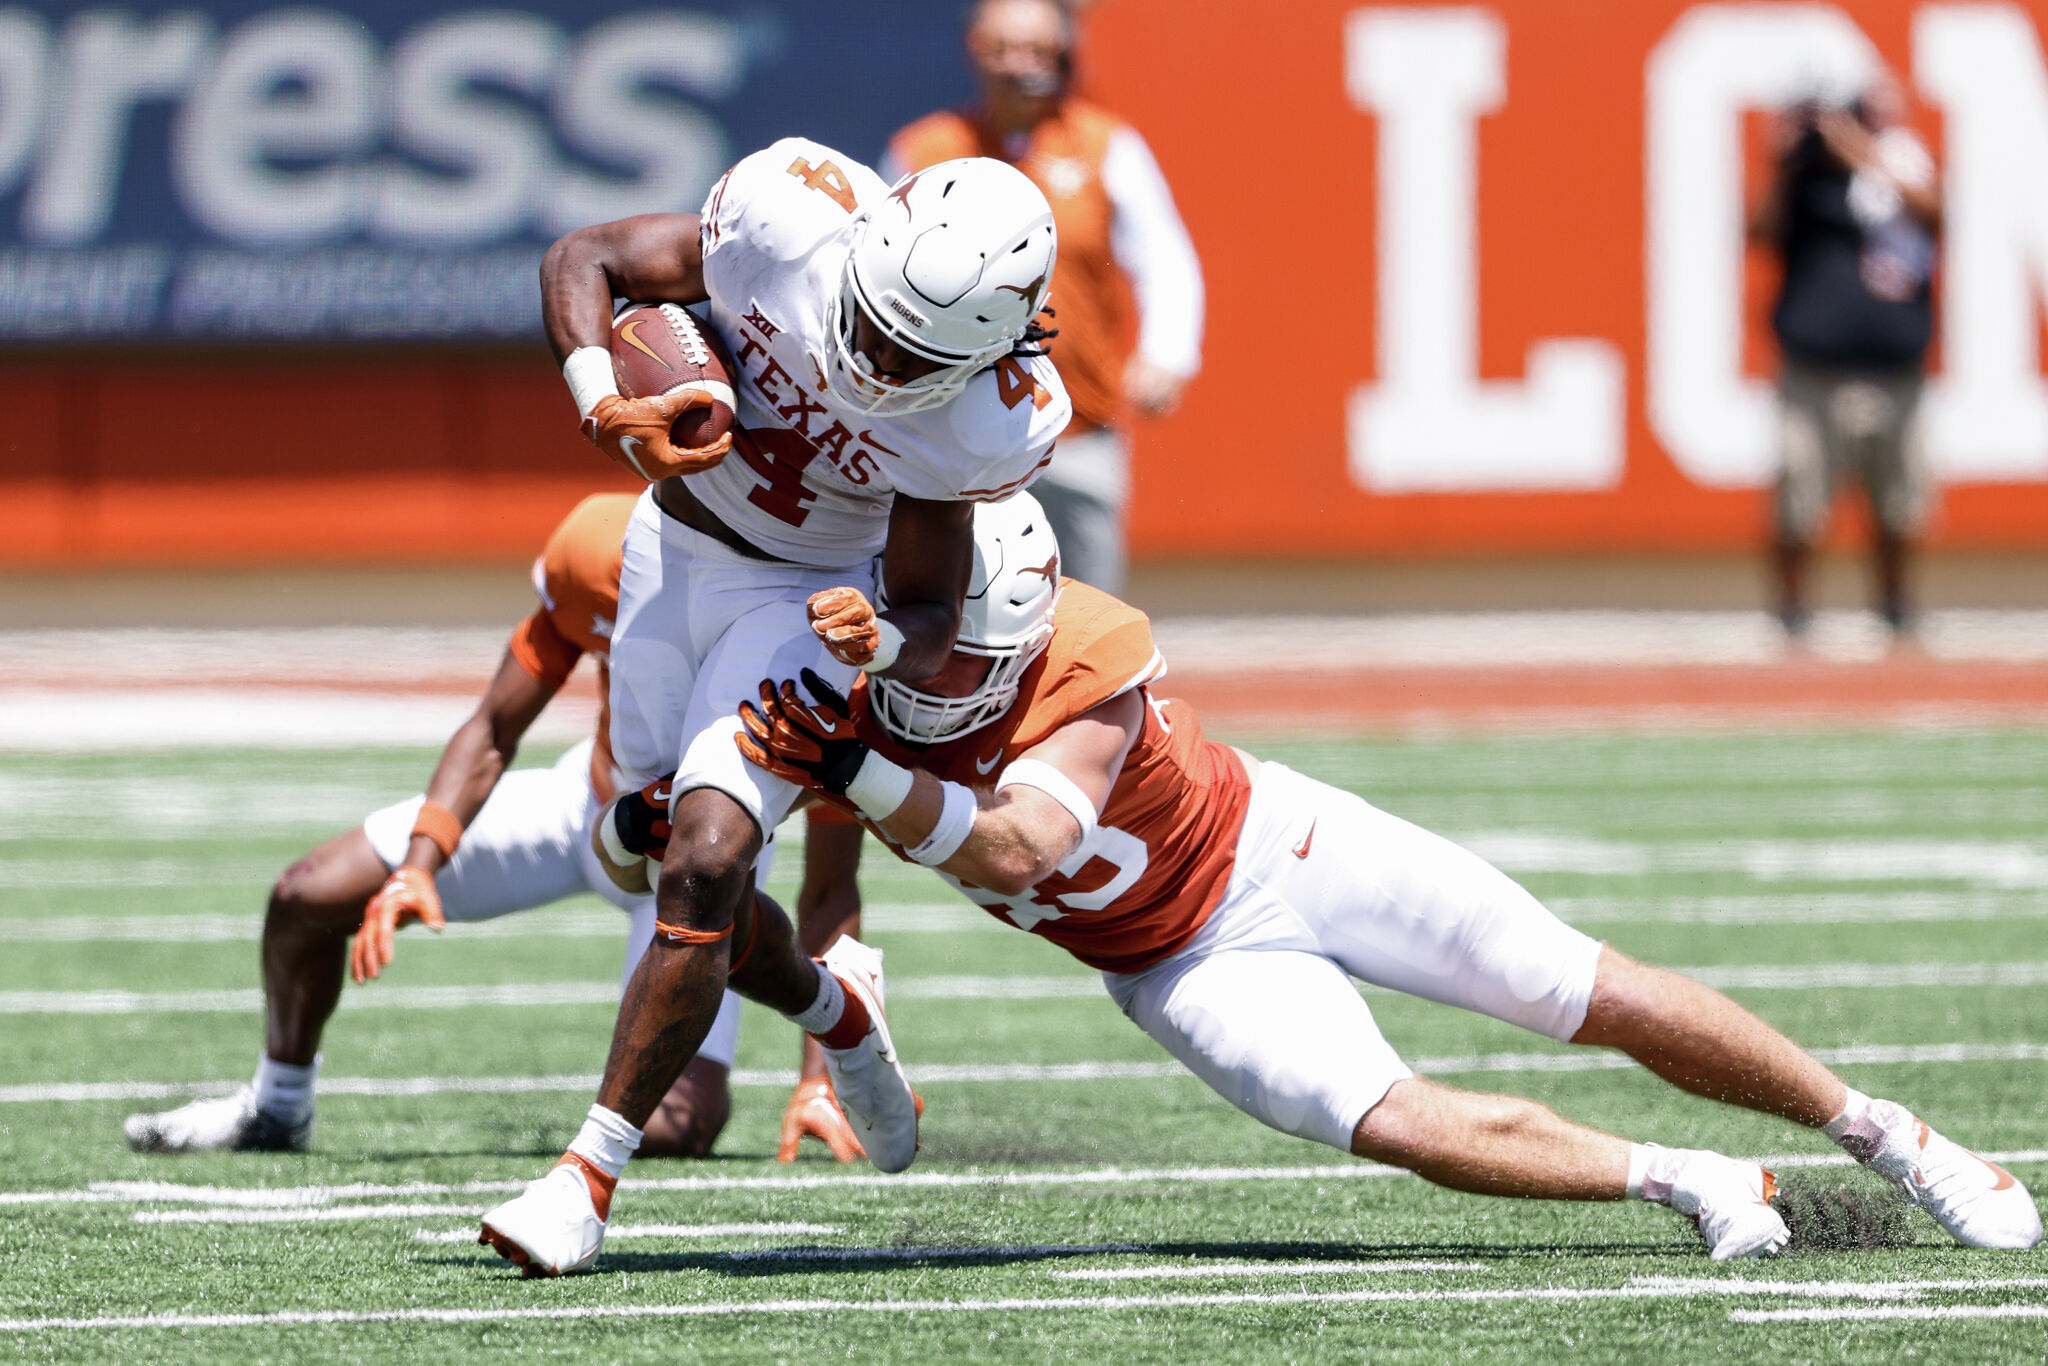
811, 479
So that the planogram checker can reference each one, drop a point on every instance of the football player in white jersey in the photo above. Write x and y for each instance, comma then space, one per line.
889, 375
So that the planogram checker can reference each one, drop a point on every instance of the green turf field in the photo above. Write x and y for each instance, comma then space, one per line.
1879, 896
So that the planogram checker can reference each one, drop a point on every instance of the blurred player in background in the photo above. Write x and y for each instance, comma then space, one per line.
485, 840
1128, 291
889, 374
1229, 903
1853, 211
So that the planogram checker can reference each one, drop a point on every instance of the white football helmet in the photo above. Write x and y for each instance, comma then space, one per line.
1007, 617
951, 266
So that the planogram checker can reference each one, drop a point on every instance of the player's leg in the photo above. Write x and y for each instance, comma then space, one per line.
1402, 908
1281, 1033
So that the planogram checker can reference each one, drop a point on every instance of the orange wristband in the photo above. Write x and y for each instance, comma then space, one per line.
678, 934
438, 824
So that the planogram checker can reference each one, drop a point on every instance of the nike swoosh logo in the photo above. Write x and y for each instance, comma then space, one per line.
627, 445
1301, 850
631, 332
984, 769
2005, 1181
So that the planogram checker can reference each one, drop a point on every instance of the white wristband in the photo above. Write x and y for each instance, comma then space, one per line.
589, 373
956, 823
887, 647
879, 786
1054, 784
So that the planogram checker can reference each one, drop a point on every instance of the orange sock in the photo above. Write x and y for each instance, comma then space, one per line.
853, 1023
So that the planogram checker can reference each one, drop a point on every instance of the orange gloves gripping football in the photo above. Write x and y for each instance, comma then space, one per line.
845, 620
813, 1111
407, 895
635, 433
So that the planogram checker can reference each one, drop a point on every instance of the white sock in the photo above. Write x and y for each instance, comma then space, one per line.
606, 1141
285, 1090
1651, 1172
824, 1012
1853, 1107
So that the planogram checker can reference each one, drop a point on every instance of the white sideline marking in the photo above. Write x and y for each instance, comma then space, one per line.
1179, 1272
1644, 1289
321, 1215
1875, 1312
1757, 977
1812, 908
1867, 1055
292, 1197
616, 1232
2008, 865
605, 992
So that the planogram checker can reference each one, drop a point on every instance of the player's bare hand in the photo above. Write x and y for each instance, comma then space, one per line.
812, 1111
845, 620
634, 432
407, 895
814, 745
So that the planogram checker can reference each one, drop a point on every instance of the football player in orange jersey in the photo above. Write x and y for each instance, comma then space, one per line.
1229, 902
483, 841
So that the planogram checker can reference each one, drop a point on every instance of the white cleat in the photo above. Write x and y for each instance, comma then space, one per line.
220, 1124
556, 1226
866, 1078
1731, 1202
1978, 1203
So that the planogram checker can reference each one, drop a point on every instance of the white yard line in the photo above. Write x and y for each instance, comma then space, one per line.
1879, 1312
2004, 864
1646, 1289
1181, 1271
1868, 1055
614, 1232
321, 1215
1731, 977
1810, 908
303, 1197
247, 929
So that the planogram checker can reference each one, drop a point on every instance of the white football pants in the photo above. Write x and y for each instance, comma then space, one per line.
1327, 887
529, 846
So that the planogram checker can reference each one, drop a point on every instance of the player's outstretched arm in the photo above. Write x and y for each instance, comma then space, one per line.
1045, 803
475, 757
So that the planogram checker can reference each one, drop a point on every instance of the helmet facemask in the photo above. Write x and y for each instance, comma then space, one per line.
854, 382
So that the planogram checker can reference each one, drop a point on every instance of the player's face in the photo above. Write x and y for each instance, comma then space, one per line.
886, 360
962, 675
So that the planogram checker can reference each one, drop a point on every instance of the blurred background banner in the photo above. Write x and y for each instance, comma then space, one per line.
1477, 277
384, 170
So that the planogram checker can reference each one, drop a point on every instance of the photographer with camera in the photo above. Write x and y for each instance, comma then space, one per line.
1853, 210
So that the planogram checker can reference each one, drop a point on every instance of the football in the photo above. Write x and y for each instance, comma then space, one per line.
659, 348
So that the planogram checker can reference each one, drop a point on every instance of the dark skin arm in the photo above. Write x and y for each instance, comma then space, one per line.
926, 564
480, 751
656, 257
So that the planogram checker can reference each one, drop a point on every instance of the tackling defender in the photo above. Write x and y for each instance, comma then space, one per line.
484, 840
1228, 902
889, 374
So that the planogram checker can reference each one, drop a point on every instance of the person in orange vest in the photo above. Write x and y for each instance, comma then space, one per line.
1127, 289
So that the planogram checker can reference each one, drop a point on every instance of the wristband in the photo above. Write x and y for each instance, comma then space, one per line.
1039, 774
888, 645
956, 823
589, 373
438, 824
879, 786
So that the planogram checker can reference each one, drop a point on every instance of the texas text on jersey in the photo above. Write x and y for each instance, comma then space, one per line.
813, 477
1160, 857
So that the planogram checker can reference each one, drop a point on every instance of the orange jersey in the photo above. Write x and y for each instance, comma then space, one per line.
577, 577
1166, 839
1063, 156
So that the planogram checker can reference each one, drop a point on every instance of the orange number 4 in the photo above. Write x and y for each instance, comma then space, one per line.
1014, 384
827, 178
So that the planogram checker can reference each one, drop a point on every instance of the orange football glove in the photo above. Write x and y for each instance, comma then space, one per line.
634, 432
814, 746
845, 620
407, 895
812, 1110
